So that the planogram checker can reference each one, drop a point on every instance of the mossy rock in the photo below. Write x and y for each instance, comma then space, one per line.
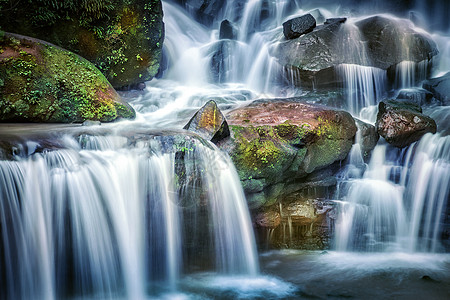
284, 140
41, 82
122, 38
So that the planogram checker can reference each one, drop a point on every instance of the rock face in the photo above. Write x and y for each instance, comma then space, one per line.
209, 123
227, 30
402, 123
294, 28
377, 41
40, 82
122, 38
205, 11
440, 87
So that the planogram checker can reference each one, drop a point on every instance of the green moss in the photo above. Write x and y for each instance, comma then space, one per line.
265, 151
45, 83
108, 33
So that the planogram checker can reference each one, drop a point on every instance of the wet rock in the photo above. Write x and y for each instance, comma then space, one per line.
368, 136
440, 87
204, 11
124, 39
335, 20
314, 56
278, 141
402, 123
418, 96
209, 123
227, 30
41, 82
220, 58
294, 28
269, 219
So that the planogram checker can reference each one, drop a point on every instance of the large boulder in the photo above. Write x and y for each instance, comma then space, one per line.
40, 82
122, 38
227, 30
294, 28
440, 87
274, 142
377, 41
402, 122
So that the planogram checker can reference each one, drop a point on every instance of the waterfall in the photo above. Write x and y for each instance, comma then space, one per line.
102, 218
397, 205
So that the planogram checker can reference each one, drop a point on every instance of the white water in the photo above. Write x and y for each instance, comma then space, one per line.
107, 222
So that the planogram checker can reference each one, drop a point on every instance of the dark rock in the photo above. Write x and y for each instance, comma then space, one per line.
204, 11
440, 87
335, 20
386, 38
209, 123
301, 25
220, 59
418, 96
368, 136
123, 39
402, 123
44, 83
227, 30
313, 57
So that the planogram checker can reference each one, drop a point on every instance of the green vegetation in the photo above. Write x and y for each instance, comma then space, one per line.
42, 83
122, 38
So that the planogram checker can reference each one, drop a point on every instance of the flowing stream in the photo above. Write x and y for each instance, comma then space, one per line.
132, 210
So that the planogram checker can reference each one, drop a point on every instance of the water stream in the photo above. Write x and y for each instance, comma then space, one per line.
131, 210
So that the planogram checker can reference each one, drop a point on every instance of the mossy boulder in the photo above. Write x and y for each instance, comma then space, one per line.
122, 38
276, 142
40, 82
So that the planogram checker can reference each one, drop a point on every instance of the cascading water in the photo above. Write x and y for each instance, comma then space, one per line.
126, 215
101, 221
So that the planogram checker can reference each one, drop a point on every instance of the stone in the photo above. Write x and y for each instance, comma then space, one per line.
209, 123
124, 39
416, 95
440, 87
294, 28
313, 57
368, 137
276, 141
335, 20
269, 219
44, 83
227, 30
402, 123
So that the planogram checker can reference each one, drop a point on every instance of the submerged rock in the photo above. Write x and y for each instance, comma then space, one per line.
294, 28
440, 87
123, 39
209, 123
416, 95
44, 83
402, 122
378, 41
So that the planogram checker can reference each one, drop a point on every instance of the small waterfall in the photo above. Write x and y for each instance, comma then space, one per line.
364, 86
397, 205
410, 74
105, 219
